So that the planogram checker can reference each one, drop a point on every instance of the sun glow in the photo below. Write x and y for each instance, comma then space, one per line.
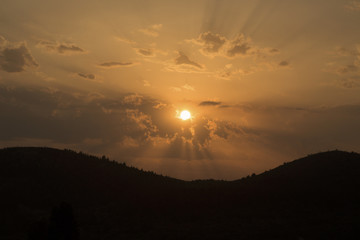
185, 115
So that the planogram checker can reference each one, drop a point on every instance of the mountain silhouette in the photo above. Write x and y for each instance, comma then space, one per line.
61, 194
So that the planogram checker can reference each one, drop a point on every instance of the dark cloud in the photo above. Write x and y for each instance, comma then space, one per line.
65, 117
130, 123
209, 103
274, 50
131, 126
61, 48
345, 52
347, 69
353, 6
202, 133
143, 124
211, 42
266, 108
87, 75
183, 59
145, 52
69, 48
116, 64
239, 46
284, 63
15, 57
350, 82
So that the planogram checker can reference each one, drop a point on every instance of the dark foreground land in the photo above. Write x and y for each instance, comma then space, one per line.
60, 194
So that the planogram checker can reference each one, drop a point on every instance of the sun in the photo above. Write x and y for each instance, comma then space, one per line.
185, 115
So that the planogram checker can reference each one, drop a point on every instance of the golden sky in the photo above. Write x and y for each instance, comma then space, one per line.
265, 81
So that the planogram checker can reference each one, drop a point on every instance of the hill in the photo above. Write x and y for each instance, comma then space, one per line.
316, 197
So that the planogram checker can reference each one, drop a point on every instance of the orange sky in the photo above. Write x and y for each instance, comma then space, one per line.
265, 81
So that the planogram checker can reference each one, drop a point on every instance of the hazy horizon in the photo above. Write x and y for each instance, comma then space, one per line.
266, 82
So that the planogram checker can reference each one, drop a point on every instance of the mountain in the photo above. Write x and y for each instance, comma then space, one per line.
316, 197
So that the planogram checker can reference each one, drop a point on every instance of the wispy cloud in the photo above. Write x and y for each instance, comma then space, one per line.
346, 66
116, 64
182, 59
210, 103
353, 5
188, 87
152, 31
184, 87
87, 75
61, 47
229, 71
146, 52
125, 40
183, 63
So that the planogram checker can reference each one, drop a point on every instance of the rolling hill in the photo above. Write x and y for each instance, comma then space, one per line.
316, 197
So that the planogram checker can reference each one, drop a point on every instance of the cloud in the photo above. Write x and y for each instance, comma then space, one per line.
240, 45
209, 103
129, 142
211, 43
284, 63
344, 52
157, 26
188, 87
184, 87
131, 127
229, 71
347, 69
151, 54
116, 64
194, 140
350, 51
143, 122
175, 89
61, 48
182, 59
2, 40
146, 83
132, 120
274, 50
145, 52
183, 64
350, 82
87, 75
152, 31
353, 6
226, 73
15, 57
346, 66
125, 40
133, 100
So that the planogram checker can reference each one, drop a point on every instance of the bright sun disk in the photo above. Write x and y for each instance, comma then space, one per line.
185, 115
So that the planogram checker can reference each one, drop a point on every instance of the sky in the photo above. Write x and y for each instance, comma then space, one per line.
265, 81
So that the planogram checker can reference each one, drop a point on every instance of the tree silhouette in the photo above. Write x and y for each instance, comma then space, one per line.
61, 226
314, 197
62, 223
39, 231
